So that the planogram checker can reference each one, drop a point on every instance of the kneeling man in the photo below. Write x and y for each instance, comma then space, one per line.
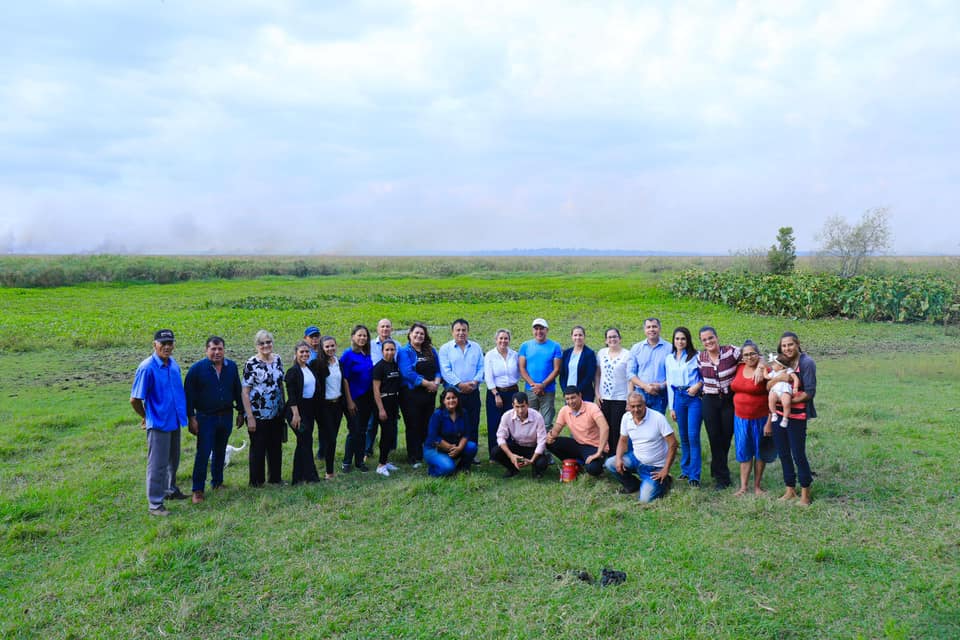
652, 447
589, 430
521, 439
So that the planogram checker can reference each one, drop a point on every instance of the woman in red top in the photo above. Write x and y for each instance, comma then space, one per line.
750, 420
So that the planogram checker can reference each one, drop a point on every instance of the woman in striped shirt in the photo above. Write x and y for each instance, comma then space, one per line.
718, 366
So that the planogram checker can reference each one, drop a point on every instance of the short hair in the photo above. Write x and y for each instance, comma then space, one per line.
571, 389
636, 394
261, 335
652, 319
499, 331
214, 340
459, 321
520, 398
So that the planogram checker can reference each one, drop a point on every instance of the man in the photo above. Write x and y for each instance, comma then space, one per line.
589, 430
312, 335
213, 390
157, 397
384, 331
646, 367
540, 361
647, 447
461, 366
521, 439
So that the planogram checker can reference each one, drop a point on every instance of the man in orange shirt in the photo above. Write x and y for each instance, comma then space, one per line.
589, 430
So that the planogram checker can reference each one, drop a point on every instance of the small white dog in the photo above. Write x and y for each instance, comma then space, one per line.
230, 451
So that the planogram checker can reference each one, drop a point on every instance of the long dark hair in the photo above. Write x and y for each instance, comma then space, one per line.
691, 351
365, 349
427, 347
443, 396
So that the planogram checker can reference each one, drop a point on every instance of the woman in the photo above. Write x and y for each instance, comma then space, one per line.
750, 419
718, 366
301, 380
683, 398
449, 445
792, 440
333, 387
263, 408
579, 365
611, 381
501, 372
420, 371
357, 368
386, 395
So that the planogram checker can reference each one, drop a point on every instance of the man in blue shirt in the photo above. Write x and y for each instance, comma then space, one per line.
540, 361
461, 366
647, 368
312, 336
213, 390
158, 398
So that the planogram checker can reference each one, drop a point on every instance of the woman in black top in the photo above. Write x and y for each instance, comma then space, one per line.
303, 382
386, 394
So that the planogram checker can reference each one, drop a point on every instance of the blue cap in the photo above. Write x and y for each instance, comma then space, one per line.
311, 330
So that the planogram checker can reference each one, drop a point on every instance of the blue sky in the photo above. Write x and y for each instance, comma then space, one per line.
175, 126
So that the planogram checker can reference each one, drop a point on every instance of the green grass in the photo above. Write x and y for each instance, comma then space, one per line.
876, 556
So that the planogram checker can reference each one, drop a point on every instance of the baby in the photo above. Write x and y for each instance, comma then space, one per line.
782, 391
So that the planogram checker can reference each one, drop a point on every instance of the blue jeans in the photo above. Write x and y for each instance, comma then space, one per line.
656, 402
212, 437
792, 447
689, 416
440, 464
650, 489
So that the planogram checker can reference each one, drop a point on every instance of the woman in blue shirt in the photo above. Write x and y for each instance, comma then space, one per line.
420, 369
450, 445
357, 368
683, 398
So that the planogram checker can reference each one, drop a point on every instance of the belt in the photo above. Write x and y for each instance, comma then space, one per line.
334, 401
676, 388
388, 395
512, 387
219, 412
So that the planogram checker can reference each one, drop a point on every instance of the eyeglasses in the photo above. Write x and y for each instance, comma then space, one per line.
751, 355
265, 342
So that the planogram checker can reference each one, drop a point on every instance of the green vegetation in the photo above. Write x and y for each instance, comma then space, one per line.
877, 555
903, 298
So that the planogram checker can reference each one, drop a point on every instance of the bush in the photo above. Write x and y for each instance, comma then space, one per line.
904, 298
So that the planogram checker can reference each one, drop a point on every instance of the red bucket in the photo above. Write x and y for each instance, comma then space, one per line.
570, 470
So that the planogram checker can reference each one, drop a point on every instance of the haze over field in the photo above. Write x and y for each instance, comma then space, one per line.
406, 126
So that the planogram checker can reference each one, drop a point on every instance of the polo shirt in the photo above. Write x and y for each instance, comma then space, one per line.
647, 437
583, 424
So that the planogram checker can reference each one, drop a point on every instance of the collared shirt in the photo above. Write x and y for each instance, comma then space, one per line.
208, 392
461, 365
717, 377
376, 348
584, 424
160, 388
441, 427
647, 437
500, 372
540, 357
357, 368
681, 373
527, 433
647, 362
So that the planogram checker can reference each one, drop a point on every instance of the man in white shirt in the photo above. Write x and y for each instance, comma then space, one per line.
647, 448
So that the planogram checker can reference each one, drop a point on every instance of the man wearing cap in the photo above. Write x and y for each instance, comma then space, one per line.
384, 331
647, 366
589, 430
158, 398
521, 439
645, 452
213, 390
540, 361
312, 336
461, 366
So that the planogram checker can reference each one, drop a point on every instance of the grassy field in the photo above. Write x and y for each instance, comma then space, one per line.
876, 556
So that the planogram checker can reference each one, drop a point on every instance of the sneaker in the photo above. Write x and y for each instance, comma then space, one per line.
383, 471
363, 468
177, 495
774, 418
784, 423
391, 467
345, 468
627, 490
197, 497
159, 511
417, 464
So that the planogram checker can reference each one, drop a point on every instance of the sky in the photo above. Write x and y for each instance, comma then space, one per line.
415, 126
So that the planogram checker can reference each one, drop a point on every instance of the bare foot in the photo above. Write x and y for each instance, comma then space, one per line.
740, 491
758, 491
805, 499
328, 476
789, 494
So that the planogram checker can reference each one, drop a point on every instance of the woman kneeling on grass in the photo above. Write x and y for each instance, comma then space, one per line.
449, 446
792, 441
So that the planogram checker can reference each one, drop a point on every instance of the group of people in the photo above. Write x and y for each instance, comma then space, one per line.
615, 407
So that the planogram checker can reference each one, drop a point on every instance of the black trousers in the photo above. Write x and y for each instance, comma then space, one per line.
417, 406
356, 445
388, 427
539, 465
304, 468
613, 411
565, 448
331, 414
266, 443
718, 417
